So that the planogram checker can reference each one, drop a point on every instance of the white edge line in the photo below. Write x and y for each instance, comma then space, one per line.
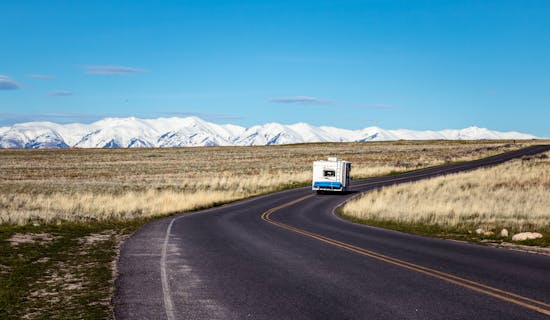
167, 297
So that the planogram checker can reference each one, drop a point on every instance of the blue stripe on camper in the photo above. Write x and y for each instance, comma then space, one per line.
327, 184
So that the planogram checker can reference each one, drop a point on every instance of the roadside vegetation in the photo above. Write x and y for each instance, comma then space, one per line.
59, 271
84, 185
63, 213
514, 196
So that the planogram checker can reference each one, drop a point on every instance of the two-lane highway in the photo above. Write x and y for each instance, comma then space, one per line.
288, 256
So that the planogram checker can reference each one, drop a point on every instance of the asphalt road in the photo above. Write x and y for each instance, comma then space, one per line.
288, 256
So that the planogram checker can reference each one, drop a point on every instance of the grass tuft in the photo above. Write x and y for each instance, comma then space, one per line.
514, 195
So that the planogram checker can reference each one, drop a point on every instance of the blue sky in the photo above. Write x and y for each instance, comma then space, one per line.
352, 64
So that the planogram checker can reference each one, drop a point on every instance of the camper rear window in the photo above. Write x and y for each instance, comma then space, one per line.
328, 173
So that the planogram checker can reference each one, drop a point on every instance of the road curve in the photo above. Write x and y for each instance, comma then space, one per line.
288, 256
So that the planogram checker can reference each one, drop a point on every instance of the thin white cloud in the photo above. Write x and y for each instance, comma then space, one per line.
112, 70
6, 83
60, 93
300, 100
41, 76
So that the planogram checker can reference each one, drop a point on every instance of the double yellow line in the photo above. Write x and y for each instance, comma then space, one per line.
522, 301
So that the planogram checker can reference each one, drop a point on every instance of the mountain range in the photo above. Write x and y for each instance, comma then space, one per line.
192, 131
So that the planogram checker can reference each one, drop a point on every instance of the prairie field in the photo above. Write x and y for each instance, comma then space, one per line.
63, 213
83, 185
514, 195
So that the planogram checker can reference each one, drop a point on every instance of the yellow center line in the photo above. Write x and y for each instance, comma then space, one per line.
517, 299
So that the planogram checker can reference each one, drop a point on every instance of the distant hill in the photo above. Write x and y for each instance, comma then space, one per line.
192, 131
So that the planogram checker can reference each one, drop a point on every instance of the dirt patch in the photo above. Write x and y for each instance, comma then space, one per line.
4, 269
93, 238
60, 285
42, 260
30, 238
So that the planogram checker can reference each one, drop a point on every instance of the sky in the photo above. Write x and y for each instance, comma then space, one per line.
422, 65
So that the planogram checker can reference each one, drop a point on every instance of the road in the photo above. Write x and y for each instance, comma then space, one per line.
287, 255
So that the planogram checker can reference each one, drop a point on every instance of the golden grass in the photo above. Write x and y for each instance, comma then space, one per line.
102, 184
514, 195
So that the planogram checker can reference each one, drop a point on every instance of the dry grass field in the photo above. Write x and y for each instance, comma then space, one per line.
514, 195
64, 212
104, 184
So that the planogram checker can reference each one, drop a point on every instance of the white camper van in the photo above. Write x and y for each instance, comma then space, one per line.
331, 175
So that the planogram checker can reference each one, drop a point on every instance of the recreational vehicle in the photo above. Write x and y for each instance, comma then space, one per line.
331, 175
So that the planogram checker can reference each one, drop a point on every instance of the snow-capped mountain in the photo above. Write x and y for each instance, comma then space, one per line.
192, 131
